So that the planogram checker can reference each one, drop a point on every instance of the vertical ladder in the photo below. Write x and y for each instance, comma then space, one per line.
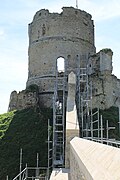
84, 95
59, 101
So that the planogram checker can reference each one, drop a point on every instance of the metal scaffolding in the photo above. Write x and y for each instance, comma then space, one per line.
84, 95
59, 101
95, 124
99, 136
37, 173
89, 122
32, 174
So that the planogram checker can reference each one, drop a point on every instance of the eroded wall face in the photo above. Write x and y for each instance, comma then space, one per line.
106, 91
53, 35
23, 100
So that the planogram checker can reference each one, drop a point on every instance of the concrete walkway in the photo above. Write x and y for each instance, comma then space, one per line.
60, 174
94, 161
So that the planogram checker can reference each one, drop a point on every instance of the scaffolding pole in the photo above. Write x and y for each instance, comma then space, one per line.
119, 120
95, 129
108, 128
101, 128
20, 163
48, 170
49, 151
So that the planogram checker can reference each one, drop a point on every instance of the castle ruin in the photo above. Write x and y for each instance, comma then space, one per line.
53, 36
68, 38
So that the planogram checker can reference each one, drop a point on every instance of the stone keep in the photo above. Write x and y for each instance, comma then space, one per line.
66, 35
53, 35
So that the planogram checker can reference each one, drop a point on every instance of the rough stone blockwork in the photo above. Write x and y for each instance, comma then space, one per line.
53, 35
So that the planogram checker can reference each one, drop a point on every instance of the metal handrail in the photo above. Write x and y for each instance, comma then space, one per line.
20, 174
109, 141
24, 174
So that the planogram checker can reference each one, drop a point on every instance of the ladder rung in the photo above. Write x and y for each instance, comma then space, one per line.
86, 130
86, 100
50, 149
95, 121
50, 158
59, 84
59, 144
95, 130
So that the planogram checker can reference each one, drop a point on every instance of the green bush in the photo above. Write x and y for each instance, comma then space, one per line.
26, 129
106, 50
32, 88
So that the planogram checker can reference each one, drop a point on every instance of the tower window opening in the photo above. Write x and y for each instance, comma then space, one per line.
60, 66
43, 30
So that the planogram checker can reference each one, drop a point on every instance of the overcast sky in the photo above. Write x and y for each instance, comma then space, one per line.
15, 15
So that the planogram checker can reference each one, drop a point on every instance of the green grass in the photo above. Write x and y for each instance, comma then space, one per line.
5, 120
26, 129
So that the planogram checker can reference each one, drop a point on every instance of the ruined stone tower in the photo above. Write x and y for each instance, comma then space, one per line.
53, 35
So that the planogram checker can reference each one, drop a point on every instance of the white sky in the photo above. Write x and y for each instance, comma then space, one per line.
15, 16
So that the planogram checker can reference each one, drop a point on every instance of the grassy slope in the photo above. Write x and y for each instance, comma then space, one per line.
26, 129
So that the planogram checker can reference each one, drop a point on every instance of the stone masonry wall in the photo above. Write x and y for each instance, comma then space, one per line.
53, 35
106, 91
22, 100
105, 86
